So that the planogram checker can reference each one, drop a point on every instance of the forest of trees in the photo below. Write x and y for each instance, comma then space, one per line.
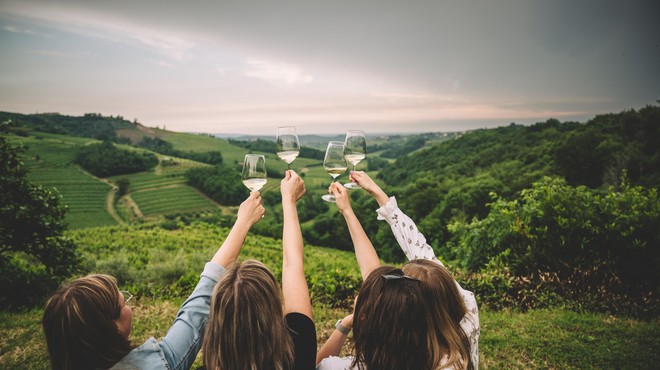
267, 146
221, 183
92, 125
105, 159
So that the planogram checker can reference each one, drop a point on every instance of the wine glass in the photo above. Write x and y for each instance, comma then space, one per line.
288, 146
254, 171
334, 163
355, 150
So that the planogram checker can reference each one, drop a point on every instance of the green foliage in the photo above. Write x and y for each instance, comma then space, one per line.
105, 160
165, 260
123, 184
599, 152
564, 239
221, 183
90, 125
450, 182
34, 255
409, 145
376, 163
268, 146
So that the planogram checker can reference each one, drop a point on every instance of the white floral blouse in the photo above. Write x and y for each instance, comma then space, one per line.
414, 246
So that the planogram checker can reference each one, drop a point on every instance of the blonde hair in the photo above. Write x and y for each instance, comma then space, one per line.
246, 328
79, 324
445, 310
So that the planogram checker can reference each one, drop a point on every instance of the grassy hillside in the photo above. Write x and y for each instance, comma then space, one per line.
49, 158
163, 191
91, 201
160, 267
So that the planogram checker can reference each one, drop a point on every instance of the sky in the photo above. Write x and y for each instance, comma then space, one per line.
327, 66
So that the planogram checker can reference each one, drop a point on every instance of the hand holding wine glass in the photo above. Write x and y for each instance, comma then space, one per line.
355, 150
287, 144
334, 163
251, 209
254, 171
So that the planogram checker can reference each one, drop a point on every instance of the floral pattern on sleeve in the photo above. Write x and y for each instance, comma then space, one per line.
414, 246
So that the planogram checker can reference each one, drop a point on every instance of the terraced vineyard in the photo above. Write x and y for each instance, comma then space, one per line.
90, 200
50, 161
171, 199
152, 194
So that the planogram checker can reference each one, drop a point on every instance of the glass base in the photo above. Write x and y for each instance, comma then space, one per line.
329, 198
352, 185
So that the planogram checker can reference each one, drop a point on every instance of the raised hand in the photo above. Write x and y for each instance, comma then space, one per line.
362, 179
292, 186
251, 210
342, 197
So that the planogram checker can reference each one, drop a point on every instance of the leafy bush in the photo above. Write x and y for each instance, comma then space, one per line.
569, 241
222, 183
105, 160
34, 255
151, 261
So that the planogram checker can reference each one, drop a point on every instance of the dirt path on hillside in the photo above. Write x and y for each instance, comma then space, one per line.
133, 206
110, 206
109, 199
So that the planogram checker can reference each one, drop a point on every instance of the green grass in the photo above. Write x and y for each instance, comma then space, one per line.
542, 339
159, 265
199, 143
557, 339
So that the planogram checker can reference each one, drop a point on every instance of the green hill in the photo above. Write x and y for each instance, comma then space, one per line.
160, 266
92, 201
53, 140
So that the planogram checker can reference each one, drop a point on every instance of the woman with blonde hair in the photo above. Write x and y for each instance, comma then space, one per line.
451, 311
87, 321
250, 325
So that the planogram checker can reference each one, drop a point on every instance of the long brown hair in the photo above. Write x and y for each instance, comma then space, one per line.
445, 311
79, 323
389, 325
246, 328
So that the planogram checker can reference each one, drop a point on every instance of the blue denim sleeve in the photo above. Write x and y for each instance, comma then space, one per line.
184, 339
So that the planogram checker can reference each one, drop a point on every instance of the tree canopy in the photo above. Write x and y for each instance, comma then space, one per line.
34, 255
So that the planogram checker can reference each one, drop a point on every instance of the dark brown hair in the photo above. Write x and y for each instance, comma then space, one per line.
79, 323
246, 328
390, 327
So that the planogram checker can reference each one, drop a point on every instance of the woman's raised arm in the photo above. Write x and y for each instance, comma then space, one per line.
294, 285
365, 253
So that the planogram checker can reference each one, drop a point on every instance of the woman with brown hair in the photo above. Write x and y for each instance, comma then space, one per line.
250, 325
451, 311
390, 326
87, 321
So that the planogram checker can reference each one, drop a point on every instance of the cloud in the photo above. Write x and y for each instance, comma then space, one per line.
62, 54
88, 23
15, 29
278, 74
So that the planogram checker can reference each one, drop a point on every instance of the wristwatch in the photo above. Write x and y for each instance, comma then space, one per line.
342, 329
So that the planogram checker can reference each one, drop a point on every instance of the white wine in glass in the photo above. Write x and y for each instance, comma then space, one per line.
287, 144
254, 172
334, 163
355, 150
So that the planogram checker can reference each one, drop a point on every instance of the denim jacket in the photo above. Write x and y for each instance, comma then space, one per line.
179, 348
